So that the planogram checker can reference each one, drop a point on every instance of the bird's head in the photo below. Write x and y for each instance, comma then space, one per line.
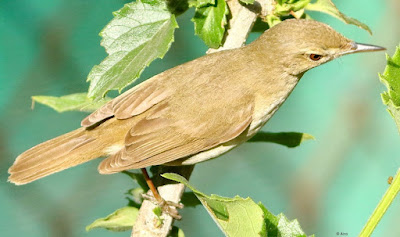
299, 45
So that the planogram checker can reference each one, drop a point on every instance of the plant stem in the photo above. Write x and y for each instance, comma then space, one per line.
383, 205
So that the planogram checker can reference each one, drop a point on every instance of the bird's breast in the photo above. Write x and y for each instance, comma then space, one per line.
262, 116
267, 102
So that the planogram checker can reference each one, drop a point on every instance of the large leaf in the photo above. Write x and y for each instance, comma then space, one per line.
289, 139
140, 32
242, 216
391, 78
235, 216
120, 220
328, 7
78, 101
209, 23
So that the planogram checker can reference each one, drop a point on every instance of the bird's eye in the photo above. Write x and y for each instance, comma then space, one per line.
315, 57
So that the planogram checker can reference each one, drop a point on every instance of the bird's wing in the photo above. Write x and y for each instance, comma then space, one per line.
131, 103
163, 136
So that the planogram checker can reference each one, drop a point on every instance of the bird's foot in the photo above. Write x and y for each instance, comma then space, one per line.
167, 207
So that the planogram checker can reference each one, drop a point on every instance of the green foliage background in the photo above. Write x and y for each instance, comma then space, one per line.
331, 184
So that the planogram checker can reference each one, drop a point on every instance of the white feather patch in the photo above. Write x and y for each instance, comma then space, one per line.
113, 149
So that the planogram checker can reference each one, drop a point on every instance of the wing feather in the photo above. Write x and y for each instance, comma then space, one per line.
158, 138
131, 103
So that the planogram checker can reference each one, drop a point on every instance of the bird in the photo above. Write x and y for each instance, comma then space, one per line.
193, 112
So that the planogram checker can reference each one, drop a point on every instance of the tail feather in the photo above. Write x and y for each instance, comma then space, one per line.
52, 156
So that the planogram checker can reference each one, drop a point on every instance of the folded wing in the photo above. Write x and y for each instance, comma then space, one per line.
162, 136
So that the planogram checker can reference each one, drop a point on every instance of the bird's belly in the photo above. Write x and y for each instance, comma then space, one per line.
204, 155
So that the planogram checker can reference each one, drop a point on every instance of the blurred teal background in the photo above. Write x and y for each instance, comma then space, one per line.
330, 185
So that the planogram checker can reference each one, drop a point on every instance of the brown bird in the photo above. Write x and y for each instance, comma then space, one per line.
195, 111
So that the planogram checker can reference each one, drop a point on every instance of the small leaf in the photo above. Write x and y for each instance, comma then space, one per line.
298, 14
140, 32
328, 7
289, 139
120, 220
209, 23
247, 1
273, 20
157, 211
391, 79
135, 197
285, 8
73, 102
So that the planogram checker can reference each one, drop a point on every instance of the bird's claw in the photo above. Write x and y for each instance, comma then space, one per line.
167, 207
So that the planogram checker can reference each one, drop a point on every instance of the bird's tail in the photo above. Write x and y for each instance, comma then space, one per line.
57, 154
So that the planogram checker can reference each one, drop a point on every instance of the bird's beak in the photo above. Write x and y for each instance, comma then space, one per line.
358, 48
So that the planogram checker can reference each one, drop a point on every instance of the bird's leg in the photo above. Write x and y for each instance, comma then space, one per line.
164, 205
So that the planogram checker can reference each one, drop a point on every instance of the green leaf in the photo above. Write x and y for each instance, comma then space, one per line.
242, 216
140, 32
73, 102
289, 139
157, 211
280, 225
180, 179
135, 197
120, 220
176, 232
285, 8
138, 177
189, 199
209, 23
289, 228
328, 7
260, 26
177, 7
247, 1
235, 216
271, 221
391, 79
201, 3
273, 20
